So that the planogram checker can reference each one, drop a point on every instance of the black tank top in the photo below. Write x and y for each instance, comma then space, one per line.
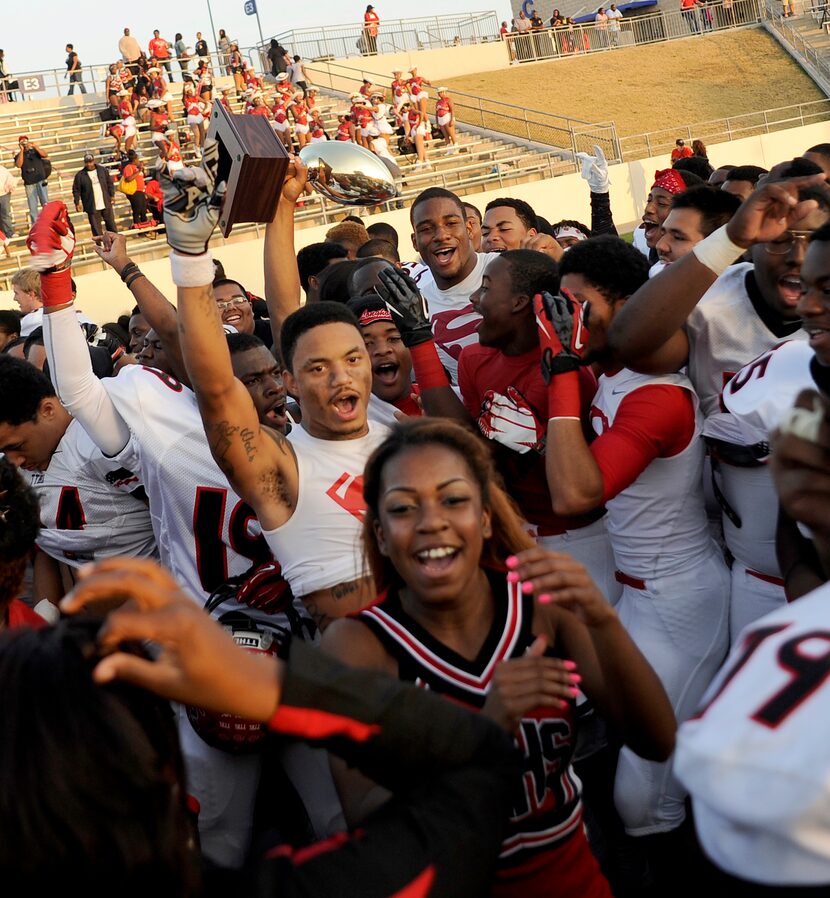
548, 808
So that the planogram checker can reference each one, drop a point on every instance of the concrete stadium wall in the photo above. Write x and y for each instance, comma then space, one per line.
437, 65
102, 296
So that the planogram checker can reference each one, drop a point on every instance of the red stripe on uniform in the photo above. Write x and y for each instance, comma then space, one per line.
324, 846
310, 724
419, 887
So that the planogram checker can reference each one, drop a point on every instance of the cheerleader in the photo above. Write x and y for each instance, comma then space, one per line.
418, 95
416, 130
125, 109
345, 128
159, 120
318, 132
380, 116
194, 109
170, 153
280, 124
160, 88
445, 116
300, 112
400, 90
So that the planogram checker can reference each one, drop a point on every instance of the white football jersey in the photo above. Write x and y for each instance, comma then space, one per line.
638, 239
657, 525
319, 545
87, 509
725, 333
205, 532
755, 759
454, 321
754, 400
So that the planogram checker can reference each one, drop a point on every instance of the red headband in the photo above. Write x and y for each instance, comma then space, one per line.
670, 180
371, 316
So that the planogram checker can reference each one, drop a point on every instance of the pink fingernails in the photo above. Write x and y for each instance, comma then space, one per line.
512, 561
545, 599
563, 705
569, 665
575, 679
512, 577
527, 587
574, 691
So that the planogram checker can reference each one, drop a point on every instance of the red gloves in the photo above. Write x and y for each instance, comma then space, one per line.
51, 242
562, 339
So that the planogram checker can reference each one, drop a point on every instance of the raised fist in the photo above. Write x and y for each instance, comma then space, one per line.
192, 202
51, 240
406, 305
595, 170
562, 332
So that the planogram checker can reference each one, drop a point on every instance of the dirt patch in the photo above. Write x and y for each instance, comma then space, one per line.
656, 86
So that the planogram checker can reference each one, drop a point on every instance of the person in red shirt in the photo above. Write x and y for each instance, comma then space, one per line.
445, 117
159, 49
371, 20
19, 527
345, 128
134, 172
280, 123
300, 112
417, 92
194, 110
680, 151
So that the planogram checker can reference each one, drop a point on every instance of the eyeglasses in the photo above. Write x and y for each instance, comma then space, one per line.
784, 244
232, 303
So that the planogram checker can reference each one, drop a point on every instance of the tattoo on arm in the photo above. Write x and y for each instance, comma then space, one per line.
220, 438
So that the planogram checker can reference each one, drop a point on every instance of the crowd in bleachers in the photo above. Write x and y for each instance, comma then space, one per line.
528, 468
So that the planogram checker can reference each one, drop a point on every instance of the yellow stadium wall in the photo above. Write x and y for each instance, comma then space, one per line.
102, 296
437, 65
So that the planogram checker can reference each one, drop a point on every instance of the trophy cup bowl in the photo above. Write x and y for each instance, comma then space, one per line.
348, 174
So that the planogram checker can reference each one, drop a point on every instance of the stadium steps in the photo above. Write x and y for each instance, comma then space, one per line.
482, 163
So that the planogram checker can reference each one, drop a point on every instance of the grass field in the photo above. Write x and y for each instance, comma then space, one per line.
656, 86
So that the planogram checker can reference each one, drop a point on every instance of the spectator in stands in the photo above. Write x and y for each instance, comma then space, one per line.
73, 71
224, 47
473, 218
445, 118
536, 23
129, 48
278, 57
200, 48
614, 16
31, 161
521, 25
181, 53
93, 190
6, 94
699, 149
9, 327
312, 260
159, 49
8, 182
742, 180
601, 26
680, 151
159, 88
237, 68
690, 10
298, 75
134, 174
350, 235
371, 21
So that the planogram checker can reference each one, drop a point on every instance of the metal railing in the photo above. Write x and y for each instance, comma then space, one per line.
571, 40
786, 30
750, 124
393, 36
565, 134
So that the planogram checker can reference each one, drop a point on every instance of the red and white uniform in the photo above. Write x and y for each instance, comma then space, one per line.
161, 90
90, 506
319, 545
443, 110
507, 397
380, 113
365, 90
675, 596
365, 122
318, 134
400, 93
545, 850
260, 110
280, 122
725, 333
416, 89
127, 118
454, 321
286, 88
300, 112
755, 759
159, 123
756, 398
344, 131
195, 109
415, 124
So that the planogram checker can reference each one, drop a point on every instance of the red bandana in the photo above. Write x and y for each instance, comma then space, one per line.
669, 180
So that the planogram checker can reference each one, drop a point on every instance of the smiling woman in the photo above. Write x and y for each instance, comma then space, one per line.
471, 609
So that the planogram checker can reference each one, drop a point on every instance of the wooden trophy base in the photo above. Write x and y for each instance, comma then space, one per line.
253, 161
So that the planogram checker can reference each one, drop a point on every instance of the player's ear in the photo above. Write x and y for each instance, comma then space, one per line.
414, 244
521, 302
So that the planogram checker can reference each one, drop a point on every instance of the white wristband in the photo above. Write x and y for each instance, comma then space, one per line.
717, 252
192, 271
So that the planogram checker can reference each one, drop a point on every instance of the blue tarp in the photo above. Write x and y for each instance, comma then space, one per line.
622, 7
